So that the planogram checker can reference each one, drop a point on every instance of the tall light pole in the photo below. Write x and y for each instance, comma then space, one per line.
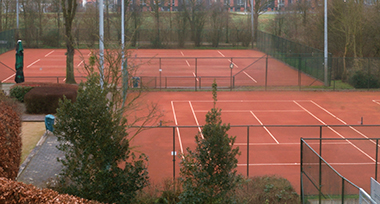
325, 47
253, 34
101, 41
17, 10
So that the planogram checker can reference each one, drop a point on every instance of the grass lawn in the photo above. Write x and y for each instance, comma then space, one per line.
30, 134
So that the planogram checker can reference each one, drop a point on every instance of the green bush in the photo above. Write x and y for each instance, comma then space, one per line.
43, 100
267, 189
18, 92
361, 80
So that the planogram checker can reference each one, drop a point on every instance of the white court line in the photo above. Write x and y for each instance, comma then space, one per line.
176, 123
49, 53
297, 164
244, 101
221, 54
247, 111
352, 128
182, 54
266, 129
376, 101
196, 120
249, 76
283, 144
335, 131
187, 62
80, 63
195, 76
15, 73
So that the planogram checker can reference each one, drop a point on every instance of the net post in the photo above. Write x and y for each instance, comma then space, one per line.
377, 157
247, 152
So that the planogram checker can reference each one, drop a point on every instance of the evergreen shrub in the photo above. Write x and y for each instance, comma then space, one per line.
362, 80
18, 92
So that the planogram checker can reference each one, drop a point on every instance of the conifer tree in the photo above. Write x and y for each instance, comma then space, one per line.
209, 172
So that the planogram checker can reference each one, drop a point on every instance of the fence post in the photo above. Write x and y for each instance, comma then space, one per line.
160, 70
174, 158
301, 169
342, 190
247, 151
377, 157
320, 165
196, 73
266, 73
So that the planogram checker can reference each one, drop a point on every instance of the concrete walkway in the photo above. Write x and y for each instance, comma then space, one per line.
41, 167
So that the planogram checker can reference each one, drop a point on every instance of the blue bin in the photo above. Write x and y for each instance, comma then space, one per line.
49, 122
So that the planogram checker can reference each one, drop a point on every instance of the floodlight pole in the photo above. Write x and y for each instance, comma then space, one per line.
124, 72
325, 47
101, 41
252, 22
17, 10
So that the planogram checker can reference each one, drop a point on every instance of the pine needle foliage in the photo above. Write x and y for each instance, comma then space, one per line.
209, 172
92, 134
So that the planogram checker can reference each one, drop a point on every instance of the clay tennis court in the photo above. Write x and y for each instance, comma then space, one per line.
179, 68
267, 147
279, 120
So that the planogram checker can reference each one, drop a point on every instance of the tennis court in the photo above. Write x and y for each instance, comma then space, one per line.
168, 68
268, 126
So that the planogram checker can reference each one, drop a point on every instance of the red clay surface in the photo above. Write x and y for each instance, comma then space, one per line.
178, 67
272, 150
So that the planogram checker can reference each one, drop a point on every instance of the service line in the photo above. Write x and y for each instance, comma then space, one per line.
250, 77
266, 129
176, 123
333, 130
15, 73
196, 119
49, 53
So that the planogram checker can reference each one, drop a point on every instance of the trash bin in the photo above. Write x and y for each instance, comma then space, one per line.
135, 82
49, 122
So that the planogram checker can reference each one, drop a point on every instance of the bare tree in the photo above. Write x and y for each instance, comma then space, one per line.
196, 15
260, 7
69, 8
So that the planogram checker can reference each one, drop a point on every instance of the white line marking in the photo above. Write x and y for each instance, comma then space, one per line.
176, 123
195, 76
187, 62
266, 144
8, 78
33, 63
182, 53
250, 77
376, 101
247, 111
196, 120
243, 101
297, 164
352, 128
15, 73
221, 54
266, 129
49, 53
80, 63
334, 131
64, 79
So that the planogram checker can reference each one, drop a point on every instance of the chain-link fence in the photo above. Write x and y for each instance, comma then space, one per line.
334, 169
7, 41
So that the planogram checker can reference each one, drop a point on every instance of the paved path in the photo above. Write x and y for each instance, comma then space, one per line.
41, 167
